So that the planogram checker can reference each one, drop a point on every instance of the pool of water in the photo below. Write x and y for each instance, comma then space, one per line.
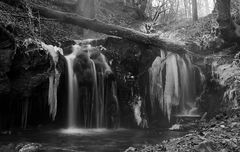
89, 140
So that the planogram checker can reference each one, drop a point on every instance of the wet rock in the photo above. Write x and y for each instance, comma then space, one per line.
206, 146
235, 124
4, 83
217, 135
7, 49
25, 76
201, 133
7, 148
222, 126
176, 127
7, 52
28, 147
6, 132
31, 67
130, 149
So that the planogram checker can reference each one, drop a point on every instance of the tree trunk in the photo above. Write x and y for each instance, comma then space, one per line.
207, 6
194, 10
185, 8
87, 8
189, 8
229, 30
113, 30
125, 2
63, 3
142, 5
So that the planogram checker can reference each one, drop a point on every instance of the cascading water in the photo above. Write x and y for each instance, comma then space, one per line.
173, 85
89, 90
72, 92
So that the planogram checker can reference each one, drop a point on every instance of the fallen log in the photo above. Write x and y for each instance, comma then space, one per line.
70, 4
109, 29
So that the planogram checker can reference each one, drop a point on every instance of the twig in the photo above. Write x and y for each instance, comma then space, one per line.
24, 16
39, 21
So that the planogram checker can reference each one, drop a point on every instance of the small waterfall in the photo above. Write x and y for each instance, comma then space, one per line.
90, 95
72, 92
173, 85
100, 88
171, 91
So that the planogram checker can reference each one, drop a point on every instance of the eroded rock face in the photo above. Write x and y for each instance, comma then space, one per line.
4, 83
7, 51
126, 59
24, 75
82, 67
31, 67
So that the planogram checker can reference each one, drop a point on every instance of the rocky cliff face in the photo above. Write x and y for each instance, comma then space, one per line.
23, 69
7, 51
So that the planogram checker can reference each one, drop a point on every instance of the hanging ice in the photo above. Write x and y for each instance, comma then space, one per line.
53, 78
172, 84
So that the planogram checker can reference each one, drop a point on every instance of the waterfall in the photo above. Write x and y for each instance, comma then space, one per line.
72, 92
171, 92
100, 88
172, 85
90, 95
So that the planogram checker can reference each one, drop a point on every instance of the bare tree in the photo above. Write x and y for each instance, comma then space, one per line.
141, 7
87, 8
194, 10
229, 30
189, 4
207, 6
187, 8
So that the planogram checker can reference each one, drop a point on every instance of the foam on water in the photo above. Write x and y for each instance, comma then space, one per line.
85, 131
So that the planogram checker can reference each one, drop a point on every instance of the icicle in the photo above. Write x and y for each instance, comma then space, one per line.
53, 79
170, 96
52, 93
106, 66
156, 85
179, 88
25, 113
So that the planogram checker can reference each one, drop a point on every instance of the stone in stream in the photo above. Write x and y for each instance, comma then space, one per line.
7, 148
28, 147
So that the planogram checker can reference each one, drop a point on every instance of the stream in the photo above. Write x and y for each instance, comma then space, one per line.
89, 140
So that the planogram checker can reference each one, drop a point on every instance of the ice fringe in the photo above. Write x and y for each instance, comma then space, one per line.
53, 78
172, 86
